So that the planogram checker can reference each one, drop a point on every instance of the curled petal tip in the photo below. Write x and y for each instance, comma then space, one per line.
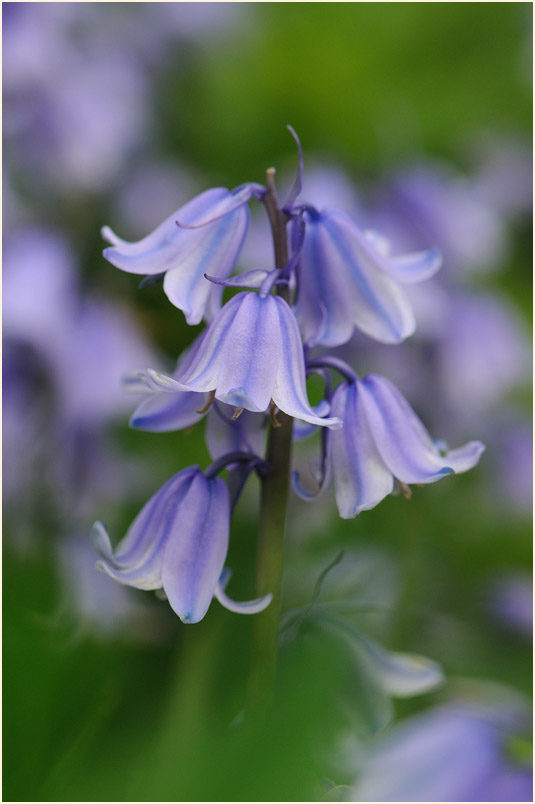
162, 382
109, 235
335, 423
248, 607
101, 541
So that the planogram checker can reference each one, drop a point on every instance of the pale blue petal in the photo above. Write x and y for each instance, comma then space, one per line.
414, 267
165, 412
302, 430
251, 355
215, 253
147, 576
169, 406
378, 241
402, 440
158, 381
202, 371
404, 675
248, 607
248, 279
220, 220
167, 244
145, 531
379, 307
235, 199
138, 559
145, 570
361, 478
101, 541
401, 674
464, 458
137, 382
289, 393
323, 309
196, 549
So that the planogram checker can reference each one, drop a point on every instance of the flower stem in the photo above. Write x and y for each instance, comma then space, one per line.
274, 496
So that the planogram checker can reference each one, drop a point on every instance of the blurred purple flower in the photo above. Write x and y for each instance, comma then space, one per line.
178, 542
63, 355
484, 351
510, 598
99, 607
512, 447
75, 106
457, 752
429, 204
504, 175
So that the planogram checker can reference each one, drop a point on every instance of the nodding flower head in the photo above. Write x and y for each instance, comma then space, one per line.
383, 441
347, 280
178, 542
203, 237
251, 354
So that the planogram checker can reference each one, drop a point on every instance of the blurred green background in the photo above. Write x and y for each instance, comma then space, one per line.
368, 86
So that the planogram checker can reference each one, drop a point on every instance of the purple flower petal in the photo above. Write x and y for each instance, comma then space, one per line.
361, 477
323, 309
196, 549
138, 559
379, 306
248, 607
289, 393
414, 267
161, 413
167, 243
186, 286
185, 254
202, 373
248, 279
252, 353
402, 440
302, 430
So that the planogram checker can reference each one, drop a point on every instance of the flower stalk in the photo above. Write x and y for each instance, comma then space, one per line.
275, 485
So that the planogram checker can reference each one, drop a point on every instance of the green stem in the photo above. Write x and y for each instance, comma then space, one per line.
274, 498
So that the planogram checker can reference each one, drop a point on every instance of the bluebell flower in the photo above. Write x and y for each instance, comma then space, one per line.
347, 280
251, 354
178, 542
203, 237
383, 441
455, 752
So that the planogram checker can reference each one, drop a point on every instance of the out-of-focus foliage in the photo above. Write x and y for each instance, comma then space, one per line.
120, 113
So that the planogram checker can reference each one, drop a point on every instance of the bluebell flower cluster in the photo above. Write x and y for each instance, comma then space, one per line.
252, 360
